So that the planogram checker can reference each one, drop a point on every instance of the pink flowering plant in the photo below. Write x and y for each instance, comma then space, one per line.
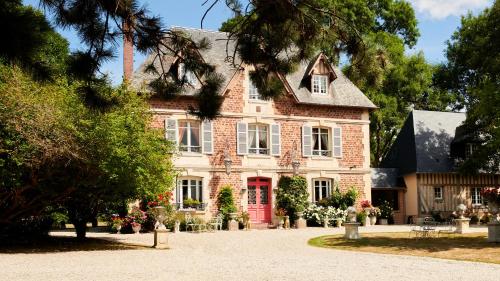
366, 204
137, 216
491, 194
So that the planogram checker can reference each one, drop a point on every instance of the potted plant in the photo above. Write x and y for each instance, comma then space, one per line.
492, 196
280, 214
385, 212
374, 213
190, 203
117, 223
137, 217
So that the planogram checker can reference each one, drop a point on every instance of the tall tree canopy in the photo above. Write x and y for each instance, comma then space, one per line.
473, 73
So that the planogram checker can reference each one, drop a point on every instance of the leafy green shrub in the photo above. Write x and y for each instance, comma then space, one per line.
225, 202
292, 195
190, 203
360, 217
340, 200
385, 210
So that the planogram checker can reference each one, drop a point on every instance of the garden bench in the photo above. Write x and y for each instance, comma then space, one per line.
215, 223
191, 223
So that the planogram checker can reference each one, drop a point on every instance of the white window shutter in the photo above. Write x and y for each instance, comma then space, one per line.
208, 143
337, 142
171, 130
275, 140
306, 141
241, 138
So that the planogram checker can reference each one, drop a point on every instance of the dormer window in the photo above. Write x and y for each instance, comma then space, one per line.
470, 148
253, 92
187, 75
319, 84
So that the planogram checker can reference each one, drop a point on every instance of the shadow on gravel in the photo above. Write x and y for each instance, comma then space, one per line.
54, 244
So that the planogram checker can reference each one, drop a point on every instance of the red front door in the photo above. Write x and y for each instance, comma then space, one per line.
259, 200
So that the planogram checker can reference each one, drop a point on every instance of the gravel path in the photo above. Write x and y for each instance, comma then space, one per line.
242, 255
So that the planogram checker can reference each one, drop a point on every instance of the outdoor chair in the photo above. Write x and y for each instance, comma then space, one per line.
215, 223
447, 228
191, 223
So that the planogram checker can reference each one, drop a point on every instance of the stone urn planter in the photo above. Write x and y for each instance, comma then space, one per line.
177, 227
325, 223
384, 221
281, 221
373, 220
118, 228
286, 223
233, 216
159, 212
136, 227
300, 222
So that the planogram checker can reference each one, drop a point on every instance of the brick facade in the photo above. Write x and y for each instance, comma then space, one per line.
349, 170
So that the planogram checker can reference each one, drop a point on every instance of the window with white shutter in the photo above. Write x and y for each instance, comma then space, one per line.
337, 142
306, 141
275, 140
171, 130
208, 147
241, 138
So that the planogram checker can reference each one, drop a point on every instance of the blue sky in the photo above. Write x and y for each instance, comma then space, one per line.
438, 19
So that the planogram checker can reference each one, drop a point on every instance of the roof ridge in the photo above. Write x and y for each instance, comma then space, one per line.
197, 29
437, 111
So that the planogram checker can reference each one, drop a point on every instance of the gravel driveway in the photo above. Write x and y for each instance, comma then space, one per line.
242, 255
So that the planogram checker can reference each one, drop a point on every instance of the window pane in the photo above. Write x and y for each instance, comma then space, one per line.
252, 138
262, 137
264, 193
315, 136
316, 193
193, 189
324, 141
183, 133
195, 135
252, 195
200, 191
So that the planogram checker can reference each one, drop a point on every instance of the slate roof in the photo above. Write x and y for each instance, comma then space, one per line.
423, 144
386, 178
342, 91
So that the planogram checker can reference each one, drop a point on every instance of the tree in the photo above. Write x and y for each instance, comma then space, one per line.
31, 42
292, 195
472, 72
56, 151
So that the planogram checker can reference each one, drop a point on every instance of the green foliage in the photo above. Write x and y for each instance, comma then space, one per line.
473, 73
54, 150
31, 42
292, 195
386, 210
340, 200
361, 218
190, 203
225, 202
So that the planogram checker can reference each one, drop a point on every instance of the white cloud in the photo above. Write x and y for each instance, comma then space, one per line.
440, 9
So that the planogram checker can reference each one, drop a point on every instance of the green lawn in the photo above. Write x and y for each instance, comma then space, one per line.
467, 247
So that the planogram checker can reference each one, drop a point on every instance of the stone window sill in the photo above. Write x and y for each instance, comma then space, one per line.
258, 101
258, 156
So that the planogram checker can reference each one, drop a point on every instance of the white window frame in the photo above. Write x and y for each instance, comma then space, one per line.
187, 75
253, 92
319, 84
469, 150
438, 193
475, 196
189, 148
258, 150
198, 189
319, 152
319, 182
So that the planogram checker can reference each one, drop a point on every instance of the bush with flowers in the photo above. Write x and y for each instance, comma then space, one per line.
316, 215
160, 200
136, 216
491, 195
366, 204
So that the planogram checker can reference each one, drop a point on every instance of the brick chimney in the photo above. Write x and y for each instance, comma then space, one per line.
128, 52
